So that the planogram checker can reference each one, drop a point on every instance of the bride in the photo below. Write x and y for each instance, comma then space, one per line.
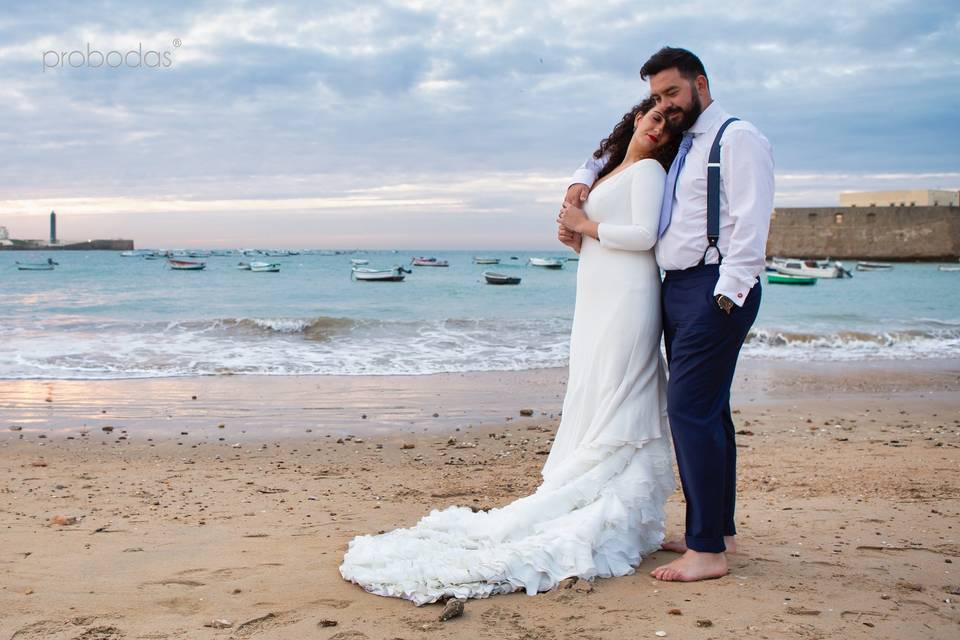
599, 509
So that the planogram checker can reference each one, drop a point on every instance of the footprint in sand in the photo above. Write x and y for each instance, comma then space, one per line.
331, 602
101, 633
183, 606
349, 635
67, 630
264, 623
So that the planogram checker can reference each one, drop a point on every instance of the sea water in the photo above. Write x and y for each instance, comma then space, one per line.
101, 315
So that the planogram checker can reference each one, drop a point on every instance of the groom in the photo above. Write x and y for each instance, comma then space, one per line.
712, 241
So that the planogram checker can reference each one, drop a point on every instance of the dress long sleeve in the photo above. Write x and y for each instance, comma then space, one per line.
646, 193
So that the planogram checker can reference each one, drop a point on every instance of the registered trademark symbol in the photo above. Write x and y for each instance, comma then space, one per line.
176, 42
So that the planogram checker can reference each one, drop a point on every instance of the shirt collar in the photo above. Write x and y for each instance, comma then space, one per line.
710, 118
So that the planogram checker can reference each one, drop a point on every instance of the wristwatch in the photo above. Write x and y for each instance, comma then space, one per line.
725, 303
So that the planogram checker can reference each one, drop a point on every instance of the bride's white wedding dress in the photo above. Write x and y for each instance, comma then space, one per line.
599, 509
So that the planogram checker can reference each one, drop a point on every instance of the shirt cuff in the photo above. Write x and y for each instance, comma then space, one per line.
583, 176
733, 289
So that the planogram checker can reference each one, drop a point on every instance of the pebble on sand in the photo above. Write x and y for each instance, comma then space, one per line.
63, 521
220, 623
453, 609
526, 412
327, 623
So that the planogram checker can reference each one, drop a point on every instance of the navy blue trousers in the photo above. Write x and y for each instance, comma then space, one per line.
703, 344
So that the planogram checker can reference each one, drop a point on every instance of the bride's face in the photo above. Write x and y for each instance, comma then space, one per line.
651, 131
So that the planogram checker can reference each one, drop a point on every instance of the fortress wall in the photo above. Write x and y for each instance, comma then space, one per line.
879, 233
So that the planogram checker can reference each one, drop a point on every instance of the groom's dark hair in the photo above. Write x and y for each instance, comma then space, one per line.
682, 60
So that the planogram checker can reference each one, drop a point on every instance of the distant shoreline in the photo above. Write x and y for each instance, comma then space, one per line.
87, 246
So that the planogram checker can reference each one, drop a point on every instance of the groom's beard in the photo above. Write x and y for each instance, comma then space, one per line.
690, 115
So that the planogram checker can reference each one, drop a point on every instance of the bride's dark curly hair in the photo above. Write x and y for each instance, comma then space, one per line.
619, 139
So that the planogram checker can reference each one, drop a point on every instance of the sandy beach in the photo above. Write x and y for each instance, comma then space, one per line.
153, 508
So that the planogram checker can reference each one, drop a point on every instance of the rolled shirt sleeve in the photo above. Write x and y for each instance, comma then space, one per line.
646, 194
746, 167
587, 172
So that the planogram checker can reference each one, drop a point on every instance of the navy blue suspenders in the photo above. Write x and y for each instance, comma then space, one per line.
713, 193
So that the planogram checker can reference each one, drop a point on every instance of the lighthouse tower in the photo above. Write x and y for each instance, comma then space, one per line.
53, 227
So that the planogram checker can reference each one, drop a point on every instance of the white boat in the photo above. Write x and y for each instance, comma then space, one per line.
358, 262
37, 266
429, 262
396, 274
950, 269
485, 260
549, 263
807, 269
265, 267
874, 266
186, 265
243, 266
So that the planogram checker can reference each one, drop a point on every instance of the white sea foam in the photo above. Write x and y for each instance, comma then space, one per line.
290, 347
75, 349
853, 345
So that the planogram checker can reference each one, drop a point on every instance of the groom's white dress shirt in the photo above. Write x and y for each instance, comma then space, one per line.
746, 202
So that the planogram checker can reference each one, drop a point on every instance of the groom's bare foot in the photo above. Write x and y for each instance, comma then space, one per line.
693, 566
680, 546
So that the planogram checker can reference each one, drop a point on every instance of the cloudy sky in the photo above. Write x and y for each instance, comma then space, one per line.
429, 124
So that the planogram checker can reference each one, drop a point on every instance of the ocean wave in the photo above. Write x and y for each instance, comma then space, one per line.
897, 344
289, 346
327, 345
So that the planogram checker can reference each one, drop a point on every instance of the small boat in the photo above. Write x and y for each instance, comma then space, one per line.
549, 263
243, 266
874, 266
782, 278
485, 260
807, 269
949, 269
395, 274
265, 267
186, 265
574, 259
358, 262
199, 254
429, 262
499, 278
37, 266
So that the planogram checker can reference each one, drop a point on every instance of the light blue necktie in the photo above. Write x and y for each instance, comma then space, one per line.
670, 188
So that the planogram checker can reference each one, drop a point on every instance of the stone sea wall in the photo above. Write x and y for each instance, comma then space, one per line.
878, 233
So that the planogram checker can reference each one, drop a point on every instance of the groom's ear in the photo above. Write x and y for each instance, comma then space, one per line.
703, 85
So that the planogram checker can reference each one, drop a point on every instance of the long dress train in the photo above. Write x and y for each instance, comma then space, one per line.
599, 509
